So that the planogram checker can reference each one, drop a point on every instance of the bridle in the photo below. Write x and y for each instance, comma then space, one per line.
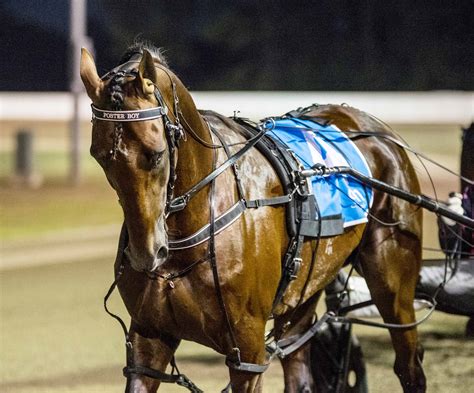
174, 131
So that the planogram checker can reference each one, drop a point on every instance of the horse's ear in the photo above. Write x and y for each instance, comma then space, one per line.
89, 76
147, 73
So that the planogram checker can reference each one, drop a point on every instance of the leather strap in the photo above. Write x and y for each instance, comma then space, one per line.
285, 347
235, 167
128, 116
279, 200
180, 202
179, 379
225, 220
233, 361
221, 223
291, 266
248, 367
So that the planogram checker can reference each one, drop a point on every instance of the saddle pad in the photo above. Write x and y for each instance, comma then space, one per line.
313, 143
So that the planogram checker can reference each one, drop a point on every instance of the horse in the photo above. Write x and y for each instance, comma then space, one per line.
153, 144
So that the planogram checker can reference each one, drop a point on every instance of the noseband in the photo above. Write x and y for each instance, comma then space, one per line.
173, 130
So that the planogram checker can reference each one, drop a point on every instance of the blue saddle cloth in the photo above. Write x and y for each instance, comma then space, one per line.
313, 143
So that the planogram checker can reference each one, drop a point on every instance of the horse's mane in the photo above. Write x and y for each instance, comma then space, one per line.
139, 46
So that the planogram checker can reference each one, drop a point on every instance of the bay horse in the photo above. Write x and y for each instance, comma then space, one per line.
220, 295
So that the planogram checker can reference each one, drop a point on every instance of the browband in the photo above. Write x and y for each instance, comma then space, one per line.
133, 115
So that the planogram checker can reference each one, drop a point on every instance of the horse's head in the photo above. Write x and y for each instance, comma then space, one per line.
131, 143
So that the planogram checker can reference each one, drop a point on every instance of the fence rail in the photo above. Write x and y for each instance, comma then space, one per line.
436, 107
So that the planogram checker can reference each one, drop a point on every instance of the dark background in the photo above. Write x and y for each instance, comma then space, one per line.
253, 45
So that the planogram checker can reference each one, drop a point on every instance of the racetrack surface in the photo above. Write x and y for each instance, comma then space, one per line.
57, 338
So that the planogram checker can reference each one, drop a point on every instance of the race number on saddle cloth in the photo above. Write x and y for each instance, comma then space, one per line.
313, 143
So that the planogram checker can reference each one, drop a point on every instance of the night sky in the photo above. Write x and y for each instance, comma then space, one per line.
253, 45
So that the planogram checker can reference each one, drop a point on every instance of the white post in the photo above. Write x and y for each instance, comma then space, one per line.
77, 29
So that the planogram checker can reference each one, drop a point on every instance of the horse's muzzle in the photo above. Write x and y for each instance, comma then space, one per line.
146, 262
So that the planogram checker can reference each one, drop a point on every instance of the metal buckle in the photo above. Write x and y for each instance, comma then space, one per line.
268, 124
295, 268
178, 204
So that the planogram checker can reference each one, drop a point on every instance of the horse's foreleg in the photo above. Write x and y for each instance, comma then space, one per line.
251, 339
148, 351
297, 365
245, 382
297, 371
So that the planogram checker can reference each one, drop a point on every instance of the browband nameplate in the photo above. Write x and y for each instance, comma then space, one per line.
133, 115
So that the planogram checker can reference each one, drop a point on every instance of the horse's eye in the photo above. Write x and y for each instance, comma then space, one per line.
154, 158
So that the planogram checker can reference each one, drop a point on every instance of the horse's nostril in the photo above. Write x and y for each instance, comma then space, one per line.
162, 253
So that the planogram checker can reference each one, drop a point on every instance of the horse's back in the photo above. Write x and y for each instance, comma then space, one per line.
387, 160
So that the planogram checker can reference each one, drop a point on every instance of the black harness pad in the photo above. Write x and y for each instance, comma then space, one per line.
300, 211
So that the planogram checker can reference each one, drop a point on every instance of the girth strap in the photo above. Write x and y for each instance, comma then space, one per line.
291, 266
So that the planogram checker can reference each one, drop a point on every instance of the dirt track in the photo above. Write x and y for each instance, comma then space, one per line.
73, 245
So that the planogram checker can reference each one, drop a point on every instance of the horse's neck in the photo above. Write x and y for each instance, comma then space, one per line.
195, 161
